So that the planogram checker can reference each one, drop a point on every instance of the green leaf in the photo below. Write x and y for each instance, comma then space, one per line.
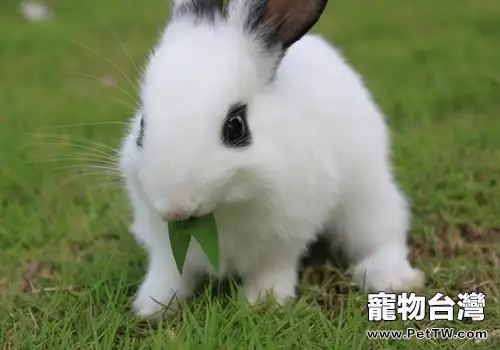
206, 235
180, 244
204, 230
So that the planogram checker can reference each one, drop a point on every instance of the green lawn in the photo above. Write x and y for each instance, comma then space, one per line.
65, 91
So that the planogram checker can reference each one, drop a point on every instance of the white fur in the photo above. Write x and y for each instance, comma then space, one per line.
319, 160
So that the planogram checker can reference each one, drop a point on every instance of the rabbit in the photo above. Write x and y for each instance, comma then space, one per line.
246, 115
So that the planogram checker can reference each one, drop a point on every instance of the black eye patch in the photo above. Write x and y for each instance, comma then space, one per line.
235, 131
140, 138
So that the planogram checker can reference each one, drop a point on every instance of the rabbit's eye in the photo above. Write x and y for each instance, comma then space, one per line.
141, 133
235, 131
235, 128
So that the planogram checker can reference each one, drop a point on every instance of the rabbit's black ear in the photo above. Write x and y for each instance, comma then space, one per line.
281, 22
197, 9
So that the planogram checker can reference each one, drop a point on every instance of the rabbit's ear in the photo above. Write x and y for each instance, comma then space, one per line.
278, 22
197, 9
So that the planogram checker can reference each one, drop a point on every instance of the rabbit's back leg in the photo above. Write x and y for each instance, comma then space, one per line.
371, 228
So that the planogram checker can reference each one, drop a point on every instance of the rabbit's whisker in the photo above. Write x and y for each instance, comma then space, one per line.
86, 148
119, 41
117, 122
107, 60
74, 138
101, 168
76, 159
121, 101
93, 77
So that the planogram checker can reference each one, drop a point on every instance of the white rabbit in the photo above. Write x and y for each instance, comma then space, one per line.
245, 116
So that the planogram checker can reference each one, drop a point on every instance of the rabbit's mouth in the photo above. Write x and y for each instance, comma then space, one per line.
184, 213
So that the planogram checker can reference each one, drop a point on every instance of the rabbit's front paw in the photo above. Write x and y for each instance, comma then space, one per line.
163, 290
154, 297
279, 285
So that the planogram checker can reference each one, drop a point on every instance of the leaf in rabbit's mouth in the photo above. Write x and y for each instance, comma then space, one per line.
204, 230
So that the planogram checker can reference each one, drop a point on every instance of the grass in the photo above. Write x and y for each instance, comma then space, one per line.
433, 66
